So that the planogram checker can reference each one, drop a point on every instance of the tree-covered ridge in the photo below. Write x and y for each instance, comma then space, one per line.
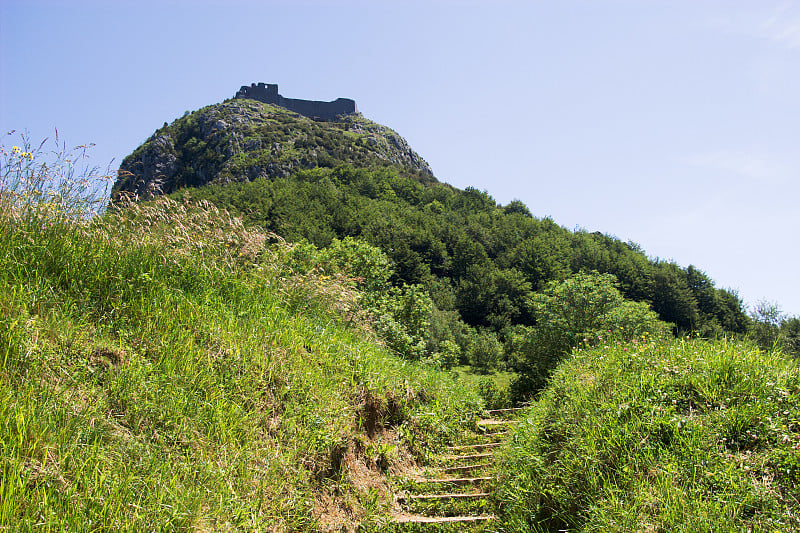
480, 259
240, 140
320, 180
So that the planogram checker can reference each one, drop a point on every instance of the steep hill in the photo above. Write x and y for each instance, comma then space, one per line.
244, 139
479, 262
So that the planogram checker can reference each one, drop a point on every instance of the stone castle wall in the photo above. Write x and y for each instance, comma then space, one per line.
268, 93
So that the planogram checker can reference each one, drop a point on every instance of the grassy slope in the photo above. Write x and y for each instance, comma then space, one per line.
163, 370
661, 435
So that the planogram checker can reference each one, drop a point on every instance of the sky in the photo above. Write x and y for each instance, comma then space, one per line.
671, 124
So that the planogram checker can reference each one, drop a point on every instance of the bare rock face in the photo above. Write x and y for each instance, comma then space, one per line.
244, 139
153, 167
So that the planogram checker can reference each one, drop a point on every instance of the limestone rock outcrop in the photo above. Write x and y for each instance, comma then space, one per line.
245, 139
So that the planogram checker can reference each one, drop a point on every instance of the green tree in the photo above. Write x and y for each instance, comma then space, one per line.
518, 207
765, 328
542, 258
790, 333
368, 264
672, 297
585, 309
485, 353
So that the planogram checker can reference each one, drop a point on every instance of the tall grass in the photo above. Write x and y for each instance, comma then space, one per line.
47, 183
162, 368
660, 435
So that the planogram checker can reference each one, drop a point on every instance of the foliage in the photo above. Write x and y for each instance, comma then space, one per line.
790, 331
400, 315
771, 329
584, 310
468, 253
484, 353
659, 435
495, 397
766, 321
319, 181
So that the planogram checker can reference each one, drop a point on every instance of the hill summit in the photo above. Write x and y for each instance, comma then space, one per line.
481, 264
268, 93
261, 134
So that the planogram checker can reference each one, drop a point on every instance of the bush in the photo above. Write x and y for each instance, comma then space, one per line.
400, 315
494, 396
586, 309
485, 353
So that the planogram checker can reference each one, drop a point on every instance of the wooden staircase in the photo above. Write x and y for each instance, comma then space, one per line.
455, 494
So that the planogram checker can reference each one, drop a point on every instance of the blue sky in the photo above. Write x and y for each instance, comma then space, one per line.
673, 124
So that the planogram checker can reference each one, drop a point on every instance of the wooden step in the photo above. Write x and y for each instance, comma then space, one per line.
450, 496
416, 519
475, 447
454, 480
493, 431
470, 457
501, 412
466, 468
494, 434
493, 422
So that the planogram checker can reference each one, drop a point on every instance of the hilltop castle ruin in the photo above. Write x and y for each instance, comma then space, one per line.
268, 93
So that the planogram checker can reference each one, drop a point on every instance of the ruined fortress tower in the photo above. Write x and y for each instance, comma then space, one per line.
268, 93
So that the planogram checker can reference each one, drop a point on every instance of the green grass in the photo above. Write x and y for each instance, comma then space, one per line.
492, 387
662, 435
161, 368
465, 373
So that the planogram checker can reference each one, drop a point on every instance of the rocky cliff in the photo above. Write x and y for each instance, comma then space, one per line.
242, 140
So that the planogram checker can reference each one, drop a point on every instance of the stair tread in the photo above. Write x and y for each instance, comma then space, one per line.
495, 422
466, 467
447, 496
453, 480
465, 457
490, 432
418, 519
468, 446
506, 410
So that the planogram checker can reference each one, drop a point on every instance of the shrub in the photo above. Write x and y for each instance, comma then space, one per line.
586, 309
494, 396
